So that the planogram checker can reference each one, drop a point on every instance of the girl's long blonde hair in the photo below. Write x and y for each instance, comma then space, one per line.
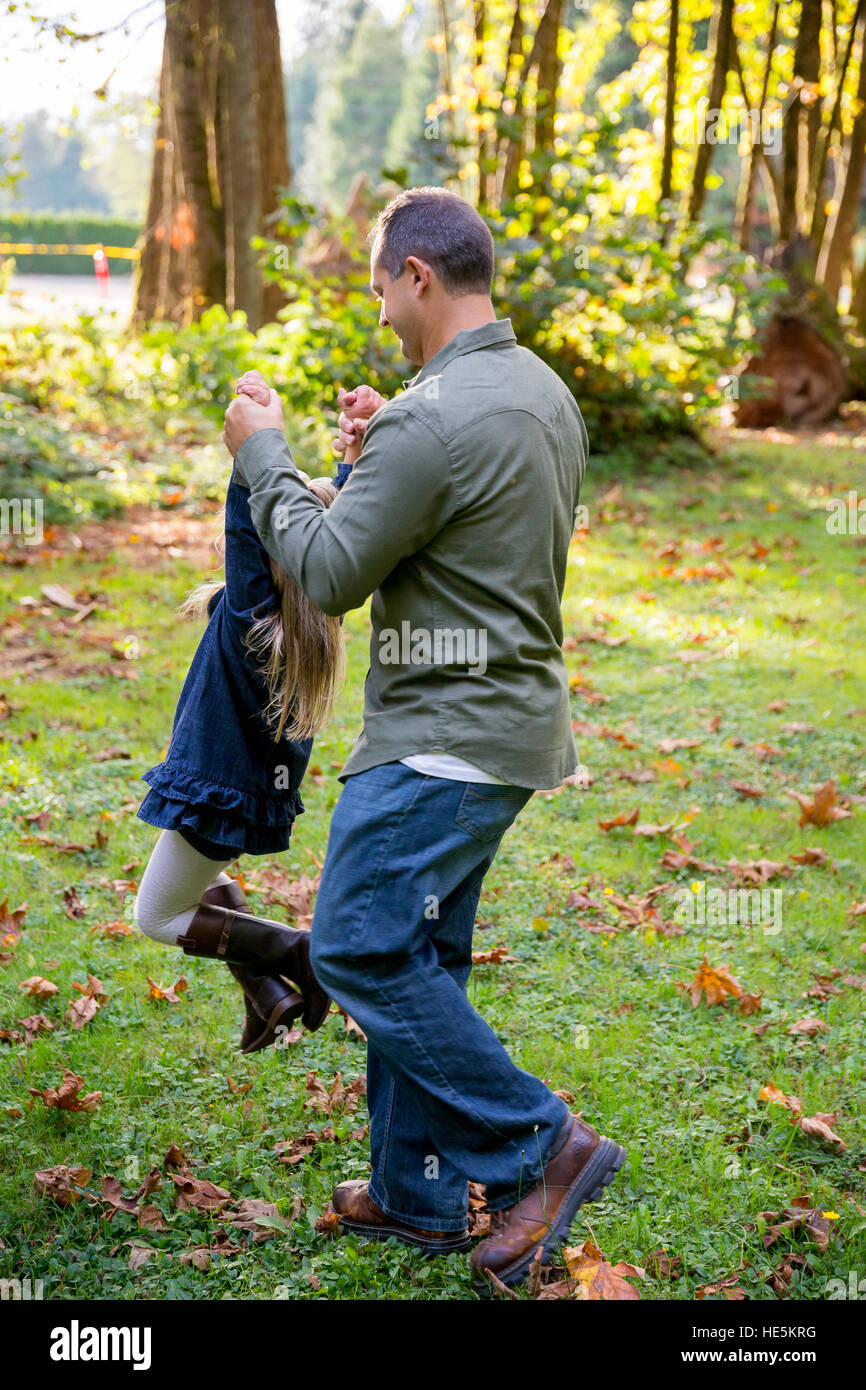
300, 649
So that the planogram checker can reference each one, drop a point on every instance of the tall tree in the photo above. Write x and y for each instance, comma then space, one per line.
839, 235
666, 182
220, 161
721, 43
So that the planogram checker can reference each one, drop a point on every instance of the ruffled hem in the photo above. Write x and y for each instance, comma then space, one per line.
236, 833
189, 788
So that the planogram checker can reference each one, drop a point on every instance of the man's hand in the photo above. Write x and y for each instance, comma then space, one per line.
244, 417
357, 407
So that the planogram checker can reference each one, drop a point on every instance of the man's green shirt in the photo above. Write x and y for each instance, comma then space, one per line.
457, 518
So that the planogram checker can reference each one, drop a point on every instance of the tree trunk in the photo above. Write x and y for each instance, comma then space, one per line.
666, 182
157, 244
186, 69
240, 166
836, 249
546, 55
746, 199
720, 44
802, 122
511, 147
273, 133
825, 138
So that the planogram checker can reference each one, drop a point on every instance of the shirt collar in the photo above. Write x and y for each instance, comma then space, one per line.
499, 333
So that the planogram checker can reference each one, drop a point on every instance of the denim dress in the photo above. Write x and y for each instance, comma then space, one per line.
226, 784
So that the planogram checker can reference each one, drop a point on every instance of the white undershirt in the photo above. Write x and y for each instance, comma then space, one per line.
439, 764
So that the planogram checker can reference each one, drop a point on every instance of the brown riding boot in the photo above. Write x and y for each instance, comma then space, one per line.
270, 1001
273, 953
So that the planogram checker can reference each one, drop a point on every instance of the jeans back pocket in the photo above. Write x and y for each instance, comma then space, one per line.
486, 809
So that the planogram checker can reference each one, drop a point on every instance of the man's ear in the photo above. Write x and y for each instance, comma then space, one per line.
420, 272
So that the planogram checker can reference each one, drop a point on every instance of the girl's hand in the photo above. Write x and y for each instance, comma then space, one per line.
357, 408
253, 384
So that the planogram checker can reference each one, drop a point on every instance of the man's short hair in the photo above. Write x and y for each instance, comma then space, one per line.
438, 227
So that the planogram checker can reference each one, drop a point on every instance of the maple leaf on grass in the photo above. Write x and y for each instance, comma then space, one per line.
112, 1192
808, 1027
73, 905
821, 807
66, 1095
81, 1011
62, 1185
11, 921
759, 871
199, 1194
336, 1099
497, 955
810, 1220
172, 993
624, 818
592, 1278
112, 930
38, 987
262, 1219
715, 984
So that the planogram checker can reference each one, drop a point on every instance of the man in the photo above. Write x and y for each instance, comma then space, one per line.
457, 518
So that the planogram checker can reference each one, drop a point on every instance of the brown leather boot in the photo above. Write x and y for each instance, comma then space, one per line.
359, 1213
269, 948
271, 1002
578, 1172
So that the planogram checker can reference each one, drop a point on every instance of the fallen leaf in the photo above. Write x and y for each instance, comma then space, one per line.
716, 985
61, 1184
820, 808
172, 993
38, 987
624, 818
65, 1096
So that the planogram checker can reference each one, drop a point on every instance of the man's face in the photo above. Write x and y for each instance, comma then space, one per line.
399, 308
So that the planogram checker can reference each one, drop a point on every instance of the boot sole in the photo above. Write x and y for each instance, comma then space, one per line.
606, 1161
429, 1247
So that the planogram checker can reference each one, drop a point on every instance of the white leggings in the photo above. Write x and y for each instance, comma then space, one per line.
171, 886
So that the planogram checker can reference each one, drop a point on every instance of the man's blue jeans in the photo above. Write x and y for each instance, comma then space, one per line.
392, 942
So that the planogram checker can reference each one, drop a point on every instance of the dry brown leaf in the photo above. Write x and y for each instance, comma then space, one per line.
595, 1279
38, 987
497, 955
820, 808
715, 984
820, 1126
66, 1095
808, 1027
254, 1216
61, 1184
199, 1194
73, 904
172, 993
11, 920
624, 818
809, 1219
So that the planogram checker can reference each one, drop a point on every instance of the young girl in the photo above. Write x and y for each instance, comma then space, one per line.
262, 682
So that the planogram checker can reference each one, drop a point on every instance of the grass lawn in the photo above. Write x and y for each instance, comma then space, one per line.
712, 607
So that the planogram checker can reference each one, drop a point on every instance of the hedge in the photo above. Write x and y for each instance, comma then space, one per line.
76, 229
